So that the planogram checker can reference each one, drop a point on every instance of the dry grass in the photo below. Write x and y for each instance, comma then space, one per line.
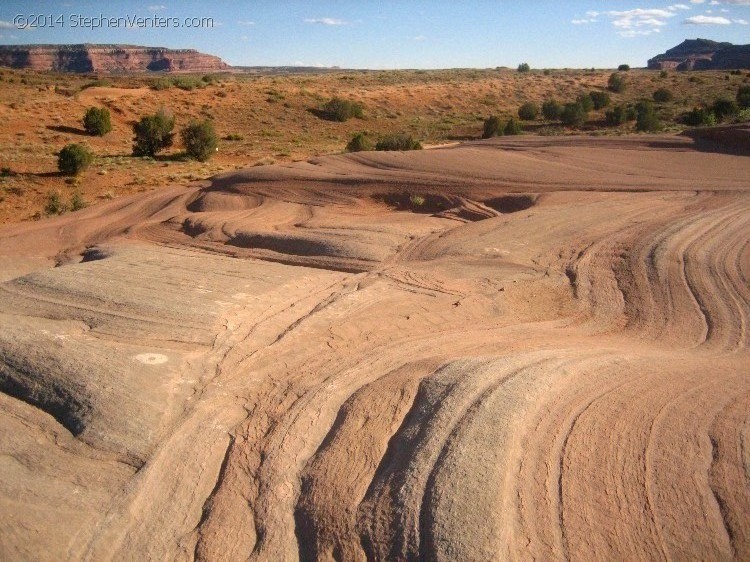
270, 119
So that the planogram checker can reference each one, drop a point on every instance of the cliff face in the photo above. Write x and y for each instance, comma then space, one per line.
702, 54
107, 58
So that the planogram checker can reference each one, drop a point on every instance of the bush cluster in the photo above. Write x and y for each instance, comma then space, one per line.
360, 142
398, 142
524, 67
624, 67
551, 110
616, 83
338, 109
493, 127
528, 111
153, 134
743, 97
620, 114
600, 99
74, 159
646, 118
573, 115
97, 121
200, 140
663, 95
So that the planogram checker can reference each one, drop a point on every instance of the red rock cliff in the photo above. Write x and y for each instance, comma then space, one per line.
107, 58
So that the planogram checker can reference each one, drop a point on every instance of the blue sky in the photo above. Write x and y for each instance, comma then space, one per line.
390, 33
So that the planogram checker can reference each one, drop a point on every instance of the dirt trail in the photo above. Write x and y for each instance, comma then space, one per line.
513, 349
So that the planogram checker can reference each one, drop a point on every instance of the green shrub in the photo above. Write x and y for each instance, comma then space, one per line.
573, 115
417, 200
663, 74
359, 143
700, 117
338, 109
724, 108
73, 159
162, 84
663, 95
647, 120
551, 110
77, 202
616, 83
619, 115
599, 99
623, 67
200, 140
528, 111
398, 142
585, 101
188, 83
512, 127
524, 67
743, 96
55, 204
97, 121
493, 127
153, 134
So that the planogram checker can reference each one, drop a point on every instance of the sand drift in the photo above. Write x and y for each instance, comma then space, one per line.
513, 349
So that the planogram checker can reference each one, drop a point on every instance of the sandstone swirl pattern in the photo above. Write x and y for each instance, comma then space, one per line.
549, 362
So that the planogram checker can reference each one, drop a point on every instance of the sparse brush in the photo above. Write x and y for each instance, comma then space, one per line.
55, 204
360, 142
398, 142
74, 159
77, 202
97, 121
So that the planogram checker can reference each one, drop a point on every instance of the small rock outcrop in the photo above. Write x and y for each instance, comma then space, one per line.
702, 54
107, 58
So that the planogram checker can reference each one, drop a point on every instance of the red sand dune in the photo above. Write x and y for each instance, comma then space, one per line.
519, 348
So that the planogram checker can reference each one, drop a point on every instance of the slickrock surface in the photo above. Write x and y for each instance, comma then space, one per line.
545, 358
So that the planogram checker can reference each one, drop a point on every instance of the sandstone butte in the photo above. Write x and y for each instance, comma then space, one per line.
107, 58
520, 348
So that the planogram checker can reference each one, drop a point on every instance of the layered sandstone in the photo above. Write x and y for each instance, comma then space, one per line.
547, 359
107, 58
702, 54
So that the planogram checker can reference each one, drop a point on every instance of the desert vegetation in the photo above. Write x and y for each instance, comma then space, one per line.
200, 140
73, 159
97, 121
253, 114
153, 134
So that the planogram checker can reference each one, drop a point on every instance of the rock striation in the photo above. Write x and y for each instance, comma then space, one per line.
107, 58
702, 54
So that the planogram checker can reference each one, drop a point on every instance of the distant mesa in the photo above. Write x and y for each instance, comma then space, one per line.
703, 54
107, 58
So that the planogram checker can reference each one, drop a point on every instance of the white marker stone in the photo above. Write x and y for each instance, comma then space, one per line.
152, 358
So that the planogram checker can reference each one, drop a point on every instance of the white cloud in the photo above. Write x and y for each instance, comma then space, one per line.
592, 14
582, 21
707, 20
326, 21
637, 32
738, 2
675, 7
697, 1
740, 22
419, 38
650, 19
245, 22
157, 8
6, 25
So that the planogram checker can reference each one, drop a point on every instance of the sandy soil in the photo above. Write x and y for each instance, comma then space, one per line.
531, 348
